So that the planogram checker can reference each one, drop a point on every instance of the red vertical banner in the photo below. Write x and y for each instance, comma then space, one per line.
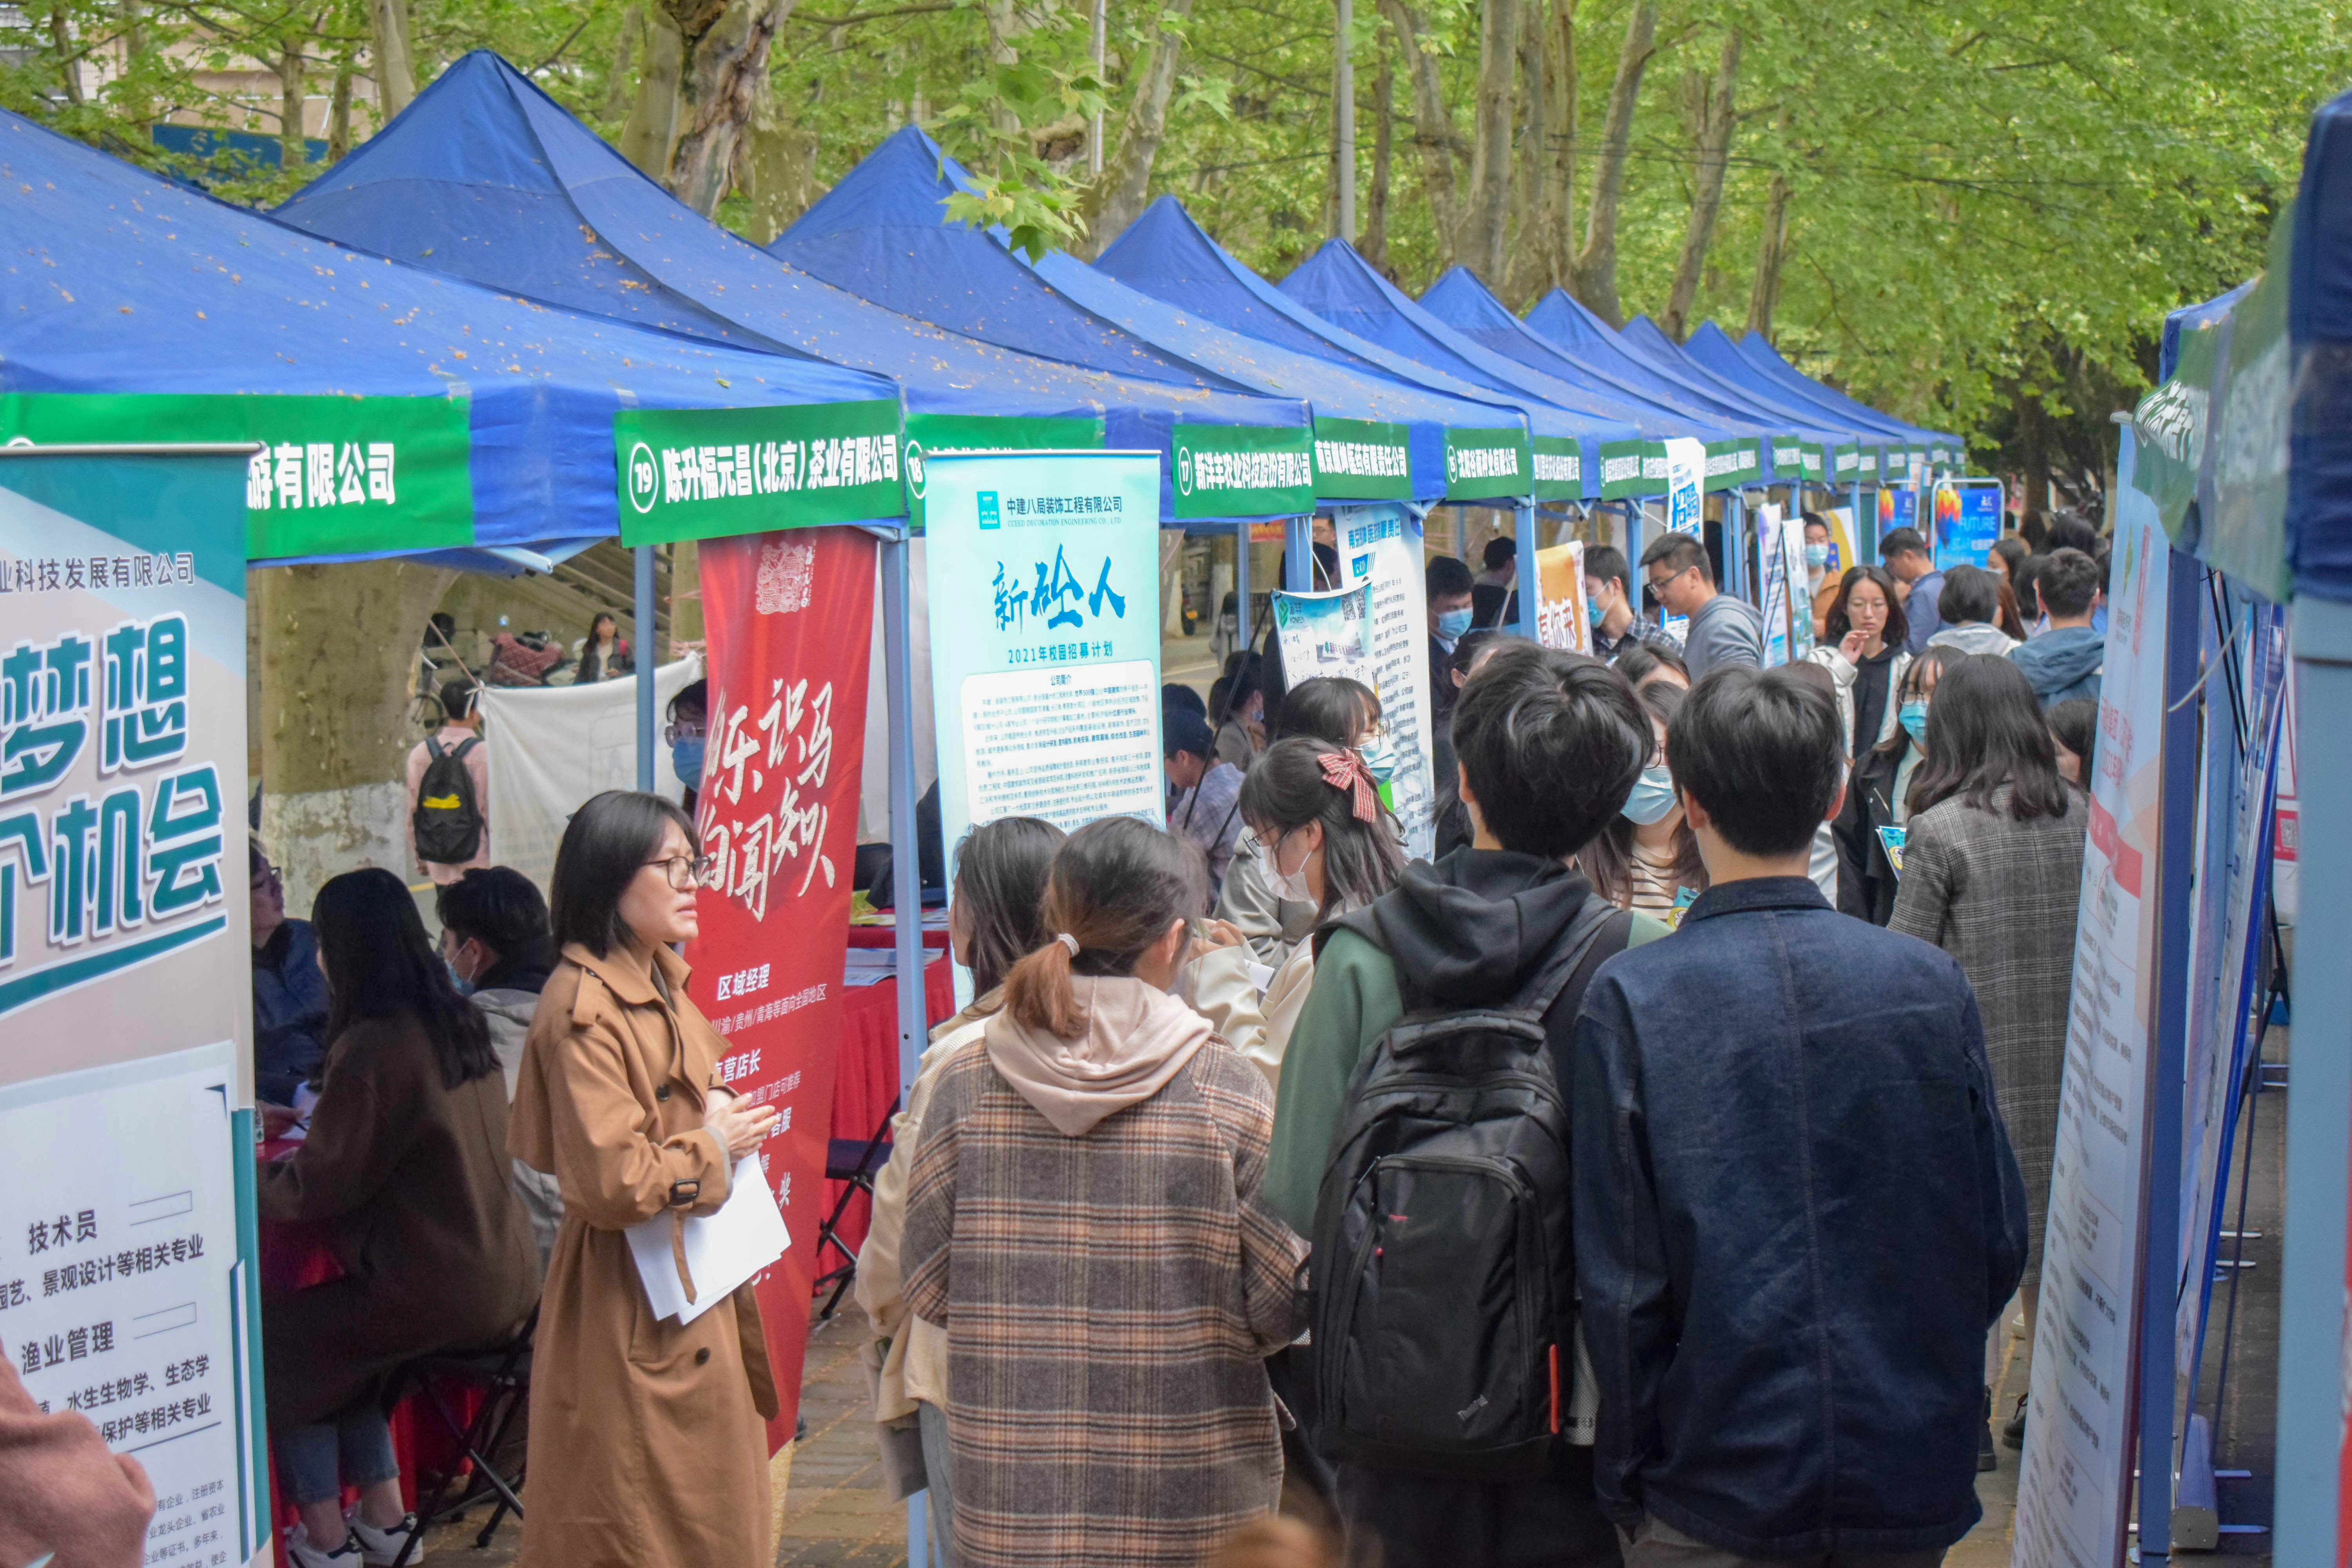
788, 617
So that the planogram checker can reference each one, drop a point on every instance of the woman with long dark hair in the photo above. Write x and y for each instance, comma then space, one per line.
1992, 873
1864, 649
996, 917
1647, 858
647, 1443
1086, 1222
1325, 839
603, 655
1337, 711
1877, 794
405, 1168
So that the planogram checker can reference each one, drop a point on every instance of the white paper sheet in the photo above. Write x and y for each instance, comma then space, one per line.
722, 1249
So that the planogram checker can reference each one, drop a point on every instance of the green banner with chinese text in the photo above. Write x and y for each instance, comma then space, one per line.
1362, 459
1244, 470
931, 432
712, 473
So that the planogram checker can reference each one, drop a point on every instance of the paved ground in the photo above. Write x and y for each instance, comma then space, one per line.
835, 1515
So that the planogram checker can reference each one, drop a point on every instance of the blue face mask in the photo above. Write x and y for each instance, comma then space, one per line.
685, 756
1596, 612
1914, 716
465, 986
1451, 624
1379, 757
1652, 796
1816, 556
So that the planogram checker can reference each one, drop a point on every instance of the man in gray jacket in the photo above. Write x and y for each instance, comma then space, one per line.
495, 939
1724, 631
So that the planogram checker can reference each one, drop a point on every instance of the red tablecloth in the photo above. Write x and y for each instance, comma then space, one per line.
866, 1072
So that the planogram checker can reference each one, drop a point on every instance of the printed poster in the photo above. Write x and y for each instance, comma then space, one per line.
1381, 546
128, 1283
2073, 1482
1800, 593
1772, 560
1562, 618
1324, 634
785, 616
1686, 464
1965, 522
1044, 572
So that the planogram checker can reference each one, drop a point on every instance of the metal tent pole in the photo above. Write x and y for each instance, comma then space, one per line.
1241, 593
2311, 1290
1298, 554
2160, 1248
1524, 524
906, 872
647, 657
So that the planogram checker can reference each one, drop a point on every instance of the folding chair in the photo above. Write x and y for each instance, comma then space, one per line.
856, 1164
503, 1376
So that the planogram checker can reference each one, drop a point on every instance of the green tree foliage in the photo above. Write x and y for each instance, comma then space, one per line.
1972, 212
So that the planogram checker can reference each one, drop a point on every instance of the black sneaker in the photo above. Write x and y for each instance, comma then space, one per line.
2012, 1431
1986, 1457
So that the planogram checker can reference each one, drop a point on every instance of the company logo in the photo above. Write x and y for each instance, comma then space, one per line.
989, 517
911, 456
1452, 465
1184, 470
644, 478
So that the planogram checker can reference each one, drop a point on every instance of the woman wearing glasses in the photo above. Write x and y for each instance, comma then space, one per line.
646, 1435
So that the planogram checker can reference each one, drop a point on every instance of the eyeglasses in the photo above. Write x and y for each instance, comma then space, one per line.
1657, 584
267, 875
688, 872
683, 730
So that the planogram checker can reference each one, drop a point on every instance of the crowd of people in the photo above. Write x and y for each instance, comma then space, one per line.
1494, 1208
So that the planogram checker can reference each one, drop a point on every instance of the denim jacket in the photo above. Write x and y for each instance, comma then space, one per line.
1797, 1215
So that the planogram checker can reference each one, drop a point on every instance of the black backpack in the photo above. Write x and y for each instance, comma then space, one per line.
447, 819
1442, 1288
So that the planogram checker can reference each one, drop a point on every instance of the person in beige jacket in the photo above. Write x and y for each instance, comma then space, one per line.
647, 1449
1324, 839
995, 918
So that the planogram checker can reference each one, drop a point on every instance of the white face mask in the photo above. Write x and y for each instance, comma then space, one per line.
1287, 884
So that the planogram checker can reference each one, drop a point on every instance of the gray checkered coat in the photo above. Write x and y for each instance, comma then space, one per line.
2000, 896
1108, 1301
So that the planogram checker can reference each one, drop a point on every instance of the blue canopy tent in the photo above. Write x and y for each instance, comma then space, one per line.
487, 177
1563, 323
1338, 285
126, 284
1710, 340
1640, 335
890, 207
1461, 301
1709, 346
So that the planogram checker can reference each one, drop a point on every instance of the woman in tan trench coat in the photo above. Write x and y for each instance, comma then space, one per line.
647, 1444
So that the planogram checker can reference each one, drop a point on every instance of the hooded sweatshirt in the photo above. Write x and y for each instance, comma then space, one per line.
2063, 662
1467, 931
1138, 1037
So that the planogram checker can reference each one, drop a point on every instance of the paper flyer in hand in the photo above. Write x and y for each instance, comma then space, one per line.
722, 1249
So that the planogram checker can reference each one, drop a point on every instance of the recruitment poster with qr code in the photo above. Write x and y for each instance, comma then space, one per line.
126, 1220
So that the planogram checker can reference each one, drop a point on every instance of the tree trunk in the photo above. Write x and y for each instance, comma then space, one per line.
1596, 263
1523, 258
338, 657
1713, 122
776, 170
652, 126
1375, 243
2033, 447
616, 84
292, 152
1432, 129
1481, 246
136, 105
61, 40
1764, 297
1559, 233
1117, 199
725, 82
392, 62
338, 112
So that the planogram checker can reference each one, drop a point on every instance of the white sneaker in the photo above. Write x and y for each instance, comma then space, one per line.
382, 1547
304, 1552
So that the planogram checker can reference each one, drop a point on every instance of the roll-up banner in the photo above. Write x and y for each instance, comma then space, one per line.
1380, 547
128, 1246
1044, 575
786, 617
